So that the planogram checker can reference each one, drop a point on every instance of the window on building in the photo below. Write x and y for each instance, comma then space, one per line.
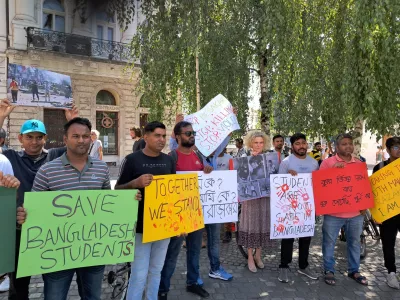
105, 26
54, 15
107, 123
55, 132
144, 119
105, 98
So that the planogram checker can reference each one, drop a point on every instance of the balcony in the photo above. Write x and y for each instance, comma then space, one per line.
61, 42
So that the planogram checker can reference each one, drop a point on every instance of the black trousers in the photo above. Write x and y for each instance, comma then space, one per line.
389, 229
14, 95
287, 252
19, 288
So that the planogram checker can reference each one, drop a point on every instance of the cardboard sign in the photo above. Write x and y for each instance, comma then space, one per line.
213, 124
73, 229
253, 174
339, 190
172, 207
218, 194
30, 86
386, 189
8, 216
292, 206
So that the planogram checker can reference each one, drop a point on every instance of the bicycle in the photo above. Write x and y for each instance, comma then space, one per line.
119, 281
369, 229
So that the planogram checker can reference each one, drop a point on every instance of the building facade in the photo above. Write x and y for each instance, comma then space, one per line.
47, 34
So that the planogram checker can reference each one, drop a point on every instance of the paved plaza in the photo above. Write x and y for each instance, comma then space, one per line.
264, 284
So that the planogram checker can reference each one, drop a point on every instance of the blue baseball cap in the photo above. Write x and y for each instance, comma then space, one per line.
33, 126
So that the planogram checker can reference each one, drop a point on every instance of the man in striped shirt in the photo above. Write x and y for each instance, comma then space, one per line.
74, 170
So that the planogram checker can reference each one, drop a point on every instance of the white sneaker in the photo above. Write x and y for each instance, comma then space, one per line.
392, 281
5, 285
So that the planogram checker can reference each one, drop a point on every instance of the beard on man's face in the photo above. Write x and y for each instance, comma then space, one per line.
188, 143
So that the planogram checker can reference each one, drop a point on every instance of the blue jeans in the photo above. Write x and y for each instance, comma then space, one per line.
213, 237
174, 248
89, 279
146, 268
193, 247
330, 232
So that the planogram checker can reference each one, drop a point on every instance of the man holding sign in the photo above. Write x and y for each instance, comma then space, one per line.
390, 227
186, 159
352, 220
74, 170
295, 163
137, 172
25, 164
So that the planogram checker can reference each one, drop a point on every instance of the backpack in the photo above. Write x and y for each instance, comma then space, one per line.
174, 156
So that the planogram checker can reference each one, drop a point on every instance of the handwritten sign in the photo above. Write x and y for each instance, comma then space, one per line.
73, 229
292, 206
8, 223
342, 190
386, 189
253, 174
172, 207
213, 124
218, 194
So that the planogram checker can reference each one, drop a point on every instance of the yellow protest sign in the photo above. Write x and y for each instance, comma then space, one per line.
172, 206
386, 188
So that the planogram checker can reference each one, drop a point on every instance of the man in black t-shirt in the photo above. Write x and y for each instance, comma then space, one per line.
137, 172
390, 227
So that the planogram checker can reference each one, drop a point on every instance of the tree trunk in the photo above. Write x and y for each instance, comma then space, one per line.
197, 81
264, 100
357, 136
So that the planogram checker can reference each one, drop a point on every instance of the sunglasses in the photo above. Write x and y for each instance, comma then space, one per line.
395, 148
189, 133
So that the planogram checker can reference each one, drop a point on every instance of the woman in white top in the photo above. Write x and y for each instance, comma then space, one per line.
96, 148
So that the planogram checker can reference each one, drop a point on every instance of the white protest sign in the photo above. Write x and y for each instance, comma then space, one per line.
218, 194
292, 206
213, 123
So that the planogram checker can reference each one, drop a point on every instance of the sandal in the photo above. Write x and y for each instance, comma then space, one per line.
360, 279
330, 278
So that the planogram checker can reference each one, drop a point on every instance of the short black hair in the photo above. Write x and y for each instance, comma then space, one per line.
178, 127
78, 120
343, 136
138, 132
239, 140
317, 143
277, 137
297, 136
390, 142
150, 127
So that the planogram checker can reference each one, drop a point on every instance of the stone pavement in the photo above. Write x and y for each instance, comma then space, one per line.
264, 284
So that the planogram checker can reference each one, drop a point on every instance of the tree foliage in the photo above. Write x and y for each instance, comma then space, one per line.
346, 69
324, 66
167, 43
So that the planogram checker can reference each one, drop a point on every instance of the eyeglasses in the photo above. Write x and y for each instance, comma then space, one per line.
189, 133
395, 148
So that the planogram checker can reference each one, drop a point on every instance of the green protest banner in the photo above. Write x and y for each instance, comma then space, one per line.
73, 229
8, 212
